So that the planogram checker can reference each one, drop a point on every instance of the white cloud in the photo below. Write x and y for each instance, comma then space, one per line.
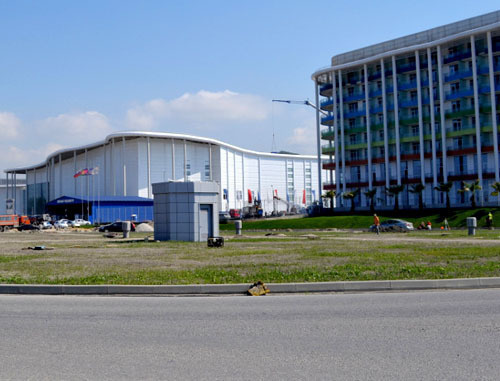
18, 157
203, 108
9, 125
75, 129
303, 139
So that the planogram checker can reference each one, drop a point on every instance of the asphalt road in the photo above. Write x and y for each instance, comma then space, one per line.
449, 335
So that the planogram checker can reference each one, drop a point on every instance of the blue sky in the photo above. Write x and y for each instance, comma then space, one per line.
73, 71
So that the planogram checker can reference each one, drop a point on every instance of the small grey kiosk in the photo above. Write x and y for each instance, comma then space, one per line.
186, 211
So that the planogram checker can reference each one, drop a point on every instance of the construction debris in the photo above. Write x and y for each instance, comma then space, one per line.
38, 248
258, 289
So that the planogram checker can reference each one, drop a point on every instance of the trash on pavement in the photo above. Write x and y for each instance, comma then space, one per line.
258, 289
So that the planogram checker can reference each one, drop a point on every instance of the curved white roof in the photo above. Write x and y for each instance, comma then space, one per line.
161, 135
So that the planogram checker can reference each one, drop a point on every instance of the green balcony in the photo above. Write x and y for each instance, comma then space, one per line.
487, 109
356, 146
461, 113
327, 150
327, 135
463, 132
354, 130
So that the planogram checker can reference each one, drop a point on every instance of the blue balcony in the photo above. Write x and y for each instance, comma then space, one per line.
376, 110
459, 75
327, 119
324, 88
457, 56
460, 94
354, 114
354, 97
374, 76
407, 85
326, 103
409, 103
486, 88
407, 67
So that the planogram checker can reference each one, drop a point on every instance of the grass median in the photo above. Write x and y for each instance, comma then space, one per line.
89, 259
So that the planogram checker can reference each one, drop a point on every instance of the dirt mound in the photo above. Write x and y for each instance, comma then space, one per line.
144, 228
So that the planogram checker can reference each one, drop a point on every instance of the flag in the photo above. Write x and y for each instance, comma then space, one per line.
249, 196
87, 172
304, 197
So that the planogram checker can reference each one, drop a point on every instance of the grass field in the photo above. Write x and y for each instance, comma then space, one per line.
290, 256
456, 219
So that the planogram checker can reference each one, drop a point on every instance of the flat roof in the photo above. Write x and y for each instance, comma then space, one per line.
414, 41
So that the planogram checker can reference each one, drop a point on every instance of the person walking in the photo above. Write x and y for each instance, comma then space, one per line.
446, 225
489, 221
376, 222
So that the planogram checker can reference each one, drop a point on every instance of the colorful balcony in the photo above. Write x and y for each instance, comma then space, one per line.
460, 94
326, 149
327, 135
327, 120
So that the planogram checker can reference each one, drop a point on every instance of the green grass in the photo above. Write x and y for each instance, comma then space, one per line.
331, 256
456, 219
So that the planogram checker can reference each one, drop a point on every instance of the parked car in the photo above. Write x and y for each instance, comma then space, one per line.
79, 222
394, 226
224, 217
115, 227
46, 225
235, 214
61, 224
28, 227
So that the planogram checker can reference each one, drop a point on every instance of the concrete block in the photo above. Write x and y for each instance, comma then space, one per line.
489, 282
85, 290
367, 285
171, 198
183, 217
185, 207
413, 284
183, 236
320, 287
458, 283
190, 186
41, 289
182, 198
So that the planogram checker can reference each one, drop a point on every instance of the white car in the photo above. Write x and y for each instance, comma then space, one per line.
61, 224
46, 225
79, 222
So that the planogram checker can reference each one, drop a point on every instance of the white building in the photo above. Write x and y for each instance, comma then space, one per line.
129, 162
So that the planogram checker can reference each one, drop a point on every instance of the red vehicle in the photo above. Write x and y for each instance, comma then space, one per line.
235, 213
9, 221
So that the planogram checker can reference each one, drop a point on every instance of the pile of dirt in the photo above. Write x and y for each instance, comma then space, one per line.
144, 228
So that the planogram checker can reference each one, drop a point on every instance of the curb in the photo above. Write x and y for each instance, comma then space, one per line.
278, 288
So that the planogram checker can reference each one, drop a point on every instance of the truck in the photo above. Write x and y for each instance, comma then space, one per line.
10, 221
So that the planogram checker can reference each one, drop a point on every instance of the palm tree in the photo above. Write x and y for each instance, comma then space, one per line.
394, 191
472, 187
331, 196
496, 189
445, 188
370, 194
418, 189
351, 196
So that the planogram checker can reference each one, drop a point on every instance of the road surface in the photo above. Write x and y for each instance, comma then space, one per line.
445, 335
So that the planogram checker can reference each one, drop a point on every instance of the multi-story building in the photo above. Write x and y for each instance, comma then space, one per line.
420, 109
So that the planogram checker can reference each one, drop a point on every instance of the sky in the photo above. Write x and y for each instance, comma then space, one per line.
72, 72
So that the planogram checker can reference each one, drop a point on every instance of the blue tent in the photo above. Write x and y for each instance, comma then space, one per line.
103, 209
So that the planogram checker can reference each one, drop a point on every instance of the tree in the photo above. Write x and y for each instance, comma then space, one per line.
418, 189
370, 194
351, 196
331, 196
445, 188
496, 189
394, 191
472, 187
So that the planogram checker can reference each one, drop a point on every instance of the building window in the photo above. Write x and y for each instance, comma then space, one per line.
380, 101
455, 106
207, 169
453, 69
352, 122
350, 91
414, 130
414, 112
381, 134
413, 95
415, 147
353, 107
413, 77
188, 168
455, 87
417, 170
352, 138
457, 124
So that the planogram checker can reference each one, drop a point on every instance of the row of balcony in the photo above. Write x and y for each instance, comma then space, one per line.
462, 74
